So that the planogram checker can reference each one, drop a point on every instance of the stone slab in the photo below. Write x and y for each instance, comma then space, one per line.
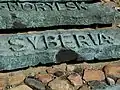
55, 46
46, 14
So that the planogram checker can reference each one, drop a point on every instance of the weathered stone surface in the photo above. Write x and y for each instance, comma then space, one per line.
3, 83
84, 87
41, 70
45, 14
112, 71
44, 78
70, 68
22, 87
16, 78
58, 84
22, 50
61, 67
57, 70
51, 70
90, 75
75, 79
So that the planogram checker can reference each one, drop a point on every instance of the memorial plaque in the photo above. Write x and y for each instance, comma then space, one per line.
24, 14
26, 49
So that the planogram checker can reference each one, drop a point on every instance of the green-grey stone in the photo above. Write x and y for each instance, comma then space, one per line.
30, 49
46, 14
113, 87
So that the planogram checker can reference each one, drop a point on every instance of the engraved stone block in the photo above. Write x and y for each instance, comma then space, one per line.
45, 14
55, 46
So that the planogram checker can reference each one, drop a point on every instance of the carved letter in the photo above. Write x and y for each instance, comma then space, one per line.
71, 5
53, 41
40, 6
68, 40
4, 6
60, 6
14, 6
83, 40
94, 38
81, 5
51, 5
103, 39
28, 6
18, 44
37, 42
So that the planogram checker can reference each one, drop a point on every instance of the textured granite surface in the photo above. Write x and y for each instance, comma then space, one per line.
55, 46
45, 14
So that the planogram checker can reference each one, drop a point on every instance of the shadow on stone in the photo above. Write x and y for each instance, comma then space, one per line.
66, 55
19, 27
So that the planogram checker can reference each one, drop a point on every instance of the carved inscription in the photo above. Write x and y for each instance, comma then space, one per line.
42, 6
46, 14
53, 41
69, 40
17, 44
37, 42
30, 49
25, 43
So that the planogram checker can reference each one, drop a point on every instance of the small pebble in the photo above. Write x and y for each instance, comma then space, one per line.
58, 73
110, 81
34, 83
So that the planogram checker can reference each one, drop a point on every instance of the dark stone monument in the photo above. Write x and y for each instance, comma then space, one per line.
23, 50
45, 14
